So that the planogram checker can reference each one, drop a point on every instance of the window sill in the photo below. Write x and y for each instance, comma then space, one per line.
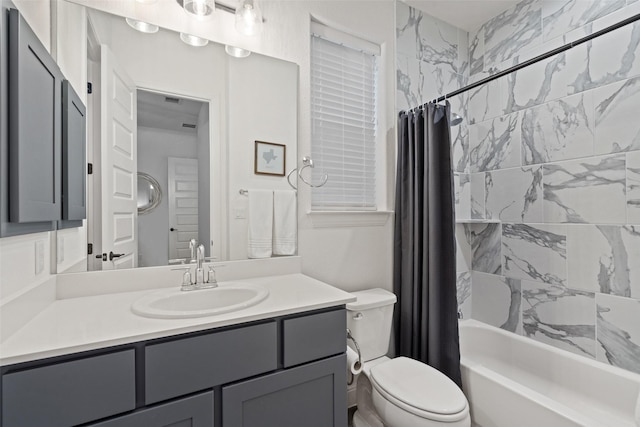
333, 219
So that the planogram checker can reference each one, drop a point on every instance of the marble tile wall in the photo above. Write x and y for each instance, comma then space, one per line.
547, 167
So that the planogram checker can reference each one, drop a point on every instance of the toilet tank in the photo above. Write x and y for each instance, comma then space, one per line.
369, 319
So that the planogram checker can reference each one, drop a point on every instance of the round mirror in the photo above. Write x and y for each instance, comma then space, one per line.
149, 193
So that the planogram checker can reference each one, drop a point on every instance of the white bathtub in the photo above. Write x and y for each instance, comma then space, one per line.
513, 381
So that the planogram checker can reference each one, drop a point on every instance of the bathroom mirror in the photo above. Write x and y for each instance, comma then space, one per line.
195, 115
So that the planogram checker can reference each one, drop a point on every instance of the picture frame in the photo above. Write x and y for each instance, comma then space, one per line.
270, 158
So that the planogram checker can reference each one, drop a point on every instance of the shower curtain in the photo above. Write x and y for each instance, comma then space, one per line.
425, 321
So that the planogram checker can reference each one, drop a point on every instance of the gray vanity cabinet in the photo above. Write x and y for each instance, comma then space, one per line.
311, 395
70, 393
288, 371
194, 411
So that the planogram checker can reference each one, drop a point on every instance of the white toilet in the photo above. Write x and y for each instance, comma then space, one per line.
398, 392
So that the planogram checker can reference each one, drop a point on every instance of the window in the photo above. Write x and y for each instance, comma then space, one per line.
344, 73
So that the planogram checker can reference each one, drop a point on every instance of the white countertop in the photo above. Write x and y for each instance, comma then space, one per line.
91, 322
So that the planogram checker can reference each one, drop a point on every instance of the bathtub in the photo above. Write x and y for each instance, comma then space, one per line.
513, 381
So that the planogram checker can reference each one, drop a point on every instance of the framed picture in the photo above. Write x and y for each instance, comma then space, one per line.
270, 158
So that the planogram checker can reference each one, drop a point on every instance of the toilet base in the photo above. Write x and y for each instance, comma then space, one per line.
360, 420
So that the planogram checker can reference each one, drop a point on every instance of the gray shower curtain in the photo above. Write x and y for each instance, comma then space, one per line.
425, 321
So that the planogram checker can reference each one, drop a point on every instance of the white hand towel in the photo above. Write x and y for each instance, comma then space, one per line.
284, 222
260, 223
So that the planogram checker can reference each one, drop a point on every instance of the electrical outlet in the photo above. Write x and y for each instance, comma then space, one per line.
60, 250
39, 261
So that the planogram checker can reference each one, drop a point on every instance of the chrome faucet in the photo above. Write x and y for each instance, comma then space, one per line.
193, 243
199, 280
199, 261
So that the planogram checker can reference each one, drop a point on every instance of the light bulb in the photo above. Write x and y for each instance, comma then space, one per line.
236, 52
200, 8
143, 27
248, 18
193, 40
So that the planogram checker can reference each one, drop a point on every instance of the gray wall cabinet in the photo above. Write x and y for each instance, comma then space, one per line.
235, 376
74, 162
8, 227
32, 176
35, 118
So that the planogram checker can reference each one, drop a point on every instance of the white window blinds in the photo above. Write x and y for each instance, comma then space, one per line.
343, 122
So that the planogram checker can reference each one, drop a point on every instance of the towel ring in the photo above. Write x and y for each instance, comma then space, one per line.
306, 162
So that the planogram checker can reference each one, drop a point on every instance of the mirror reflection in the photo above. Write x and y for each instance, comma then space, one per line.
149, 193
171, 136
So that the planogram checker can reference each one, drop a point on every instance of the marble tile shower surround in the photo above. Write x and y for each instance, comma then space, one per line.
633, 187
485, 247
509, 195
559, 316
537, 253
591, 190
605, 259
618, 337
497, 302
562, 265
495, 144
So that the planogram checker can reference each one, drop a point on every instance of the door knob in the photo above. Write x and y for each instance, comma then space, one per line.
173, 229
112, 256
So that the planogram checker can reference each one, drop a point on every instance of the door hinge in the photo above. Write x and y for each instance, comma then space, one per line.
89, 87
90, 169
89, 248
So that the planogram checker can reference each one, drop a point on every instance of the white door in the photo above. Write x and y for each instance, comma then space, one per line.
183, 206
119, 165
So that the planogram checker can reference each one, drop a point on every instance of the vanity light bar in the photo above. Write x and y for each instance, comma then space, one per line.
217, 5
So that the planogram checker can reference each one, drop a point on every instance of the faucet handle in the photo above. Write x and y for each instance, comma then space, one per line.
211, 276
186, 278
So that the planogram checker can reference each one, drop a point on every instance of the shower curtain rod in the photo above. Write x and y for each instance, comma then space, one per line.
537, 59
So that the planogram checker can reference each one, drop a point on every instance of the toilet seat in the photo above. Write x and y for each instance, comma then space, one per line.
419, 389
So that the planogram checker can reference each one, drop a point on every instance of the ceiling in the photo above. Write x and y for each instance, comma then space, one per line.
465, 14
155, 112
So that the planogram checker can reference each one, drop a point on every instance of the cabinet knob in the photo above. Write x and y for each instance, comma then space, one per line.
173, 229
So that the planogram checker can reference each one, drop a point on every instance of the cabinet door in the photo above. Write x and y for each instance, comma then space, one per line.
313, 395
35, 105
194, 411
74, 163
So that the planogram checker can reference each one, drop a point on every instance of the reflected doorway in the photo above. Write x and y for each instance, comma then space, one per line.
173, 147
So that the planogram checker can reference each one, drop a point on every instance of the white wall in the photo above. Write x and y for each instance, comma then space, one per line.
155, 146
18, 254
259, 105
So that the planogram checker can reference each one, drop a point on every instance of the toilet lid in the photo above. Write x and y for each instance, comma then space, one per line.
417, 387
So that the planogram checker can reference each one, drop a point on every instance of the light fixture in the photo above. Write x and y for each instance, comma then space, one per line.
143, 27
193, 40
199, 8
248, 18
236, 52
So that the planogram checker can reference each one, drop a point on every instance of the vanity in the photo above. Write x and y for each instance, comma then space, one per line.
281, 362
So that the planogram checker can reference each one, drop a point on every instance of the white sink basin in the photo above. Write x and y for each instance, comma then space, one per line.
177, 304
